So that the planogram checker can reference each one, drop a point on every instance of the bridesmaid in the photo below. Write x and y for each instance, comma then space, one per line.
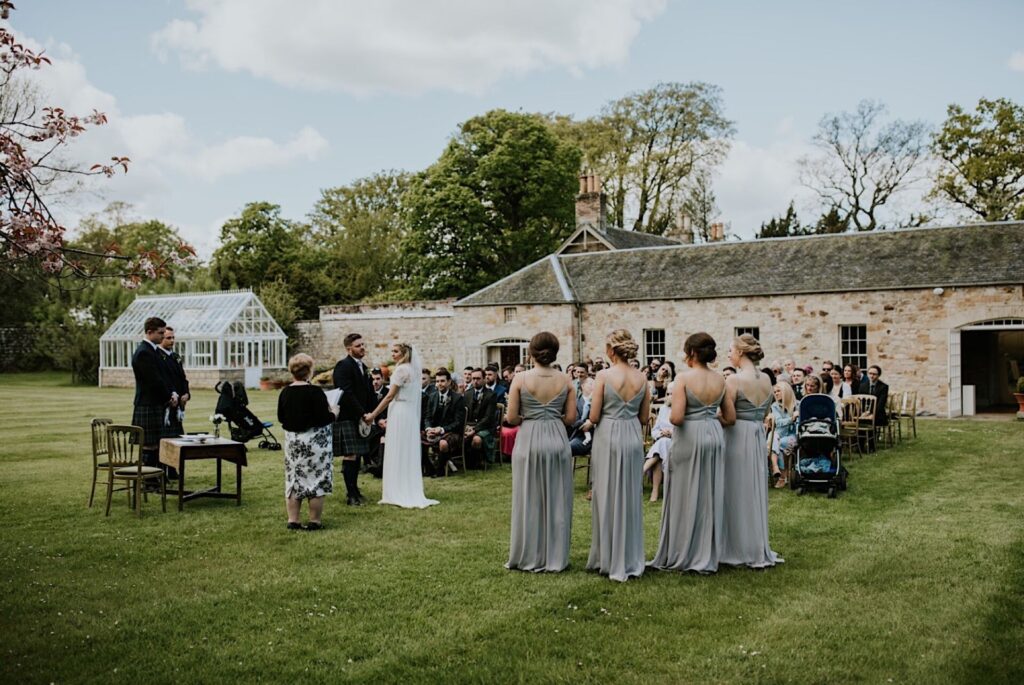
691, 520
544, 402
621, 403
748, 395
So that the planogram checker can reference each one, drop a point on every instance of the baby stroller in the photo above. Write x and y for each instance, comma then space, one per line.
233, 404
818, 461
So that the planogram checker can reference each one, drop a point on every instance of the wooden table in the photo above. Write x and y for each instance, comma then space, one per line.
176, 453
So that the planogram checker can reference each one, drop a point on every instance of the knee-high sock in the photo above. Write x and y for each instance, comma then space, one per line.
350, 471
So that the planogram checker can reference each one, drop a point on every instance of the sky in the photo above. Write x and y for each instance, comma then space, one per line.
223, 102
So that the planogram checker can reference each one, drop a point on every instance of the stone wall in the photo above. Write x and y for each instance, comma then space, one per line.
204, 379
16, 347
309, 338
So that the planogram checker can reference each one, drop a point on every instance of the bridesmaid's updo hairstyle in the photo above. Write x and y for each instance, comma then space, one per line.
748, 346
406, 350
701, 347
544, 348
622, 344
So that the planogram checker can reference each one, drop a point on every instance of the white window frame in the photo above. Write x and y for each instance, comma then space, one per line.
651, 345
853, 349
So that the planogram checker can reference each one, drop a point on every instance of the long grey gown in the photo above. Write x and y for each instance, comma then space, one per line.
617, 459
691, 518
541, 488
745, 529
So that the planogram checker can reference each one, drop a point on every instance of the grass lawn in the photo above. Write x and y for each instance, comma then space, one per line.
915, 575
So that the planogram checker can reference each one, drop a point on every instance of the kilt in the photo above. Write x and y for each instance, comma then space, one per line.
151, 420
488, 438
347, 440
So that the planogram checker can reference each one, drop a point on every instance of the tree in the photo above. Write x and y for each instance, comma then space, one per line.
700, 204
117, 227
361, 227
983, 160
31, 142
645, 146
784, 226
862, 162
254, 247
499, 197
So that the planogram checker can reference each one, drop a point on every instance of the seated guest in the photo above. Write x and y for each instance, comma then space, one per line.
728, 371
827, 366
635, 363
481, 420
491, 383
581, 431
768, 372
783, 419
662, 379
506, 375
443, 423
873, 385
467, 379
797, 382
787, 370
428, 391
657, 456
812, 386
836, 388
519, 368
307, 419
653, 367
826, 382
582, 373
851, 380
376, 454
776, 368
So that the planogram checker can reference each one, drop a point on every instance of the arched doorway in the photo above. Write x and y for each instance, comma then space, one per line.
506, 351
985, 360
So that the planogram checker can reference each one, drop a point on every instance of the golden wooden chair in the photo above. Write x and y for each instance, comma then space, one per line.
99, 452
124, 463
866, 421
908, 412
849, 424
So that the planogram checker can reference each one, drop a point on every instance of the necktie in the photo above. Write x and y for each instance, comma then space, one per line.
477, 395
871, 389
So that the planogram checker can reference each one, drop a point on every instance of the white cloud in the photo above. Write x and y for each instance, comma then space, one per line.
164, 153
756, 183
1016, 61
400, 46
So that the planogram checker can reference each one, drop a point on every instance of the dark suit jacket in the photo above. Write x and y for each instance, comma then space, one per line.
176, 377
378, 395
151, 387
451, 417
356, 390
500, 393
581, 404
881, 393
426, 395
483, 414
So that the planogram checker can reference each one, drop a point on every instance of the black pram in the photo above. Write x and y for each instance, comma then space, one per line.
233, 405
819, 460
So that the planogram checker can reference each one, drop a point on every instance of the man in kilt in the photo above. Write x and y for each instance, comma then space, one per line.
154, 397
177, 380
357, 401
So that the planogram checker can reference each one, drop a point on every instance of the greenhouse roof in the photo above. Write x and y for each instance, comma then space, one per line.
199, 315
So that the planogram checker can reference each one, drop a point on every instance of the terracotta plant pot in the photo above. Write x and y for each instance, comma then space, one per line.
266, 384
1019, 396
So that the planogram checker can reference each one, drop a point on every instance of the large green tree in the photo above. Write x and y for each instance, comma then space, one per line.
500, 196
983, 160
647, 145
360, 227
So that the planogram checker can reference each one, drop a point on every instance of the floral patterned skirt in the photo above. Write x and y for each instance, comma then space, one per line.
308, 463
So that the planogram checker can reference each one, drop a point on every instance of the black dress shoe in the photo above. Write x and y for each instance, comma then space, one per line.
294, 526
351, 502
360, 500
314, 526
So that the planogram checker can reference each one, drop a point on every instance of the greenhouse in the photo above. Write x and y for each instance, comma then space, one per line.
224, 335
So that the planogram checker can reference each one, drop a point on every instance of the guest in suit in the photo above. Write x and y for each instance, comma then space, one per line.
796, 382
357, 401
154, 397
491, 383
178, 381
443, 423
374, 458
427, 392
873, 385
582, 431
481, 419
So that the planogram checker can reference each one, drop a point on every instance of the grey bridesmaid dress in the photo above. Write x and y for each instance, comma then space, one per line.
542, 488
617, 462
691, 517
745, 529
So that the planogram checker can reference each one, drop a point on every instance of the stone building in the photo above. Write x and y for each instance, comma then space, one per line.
936, 308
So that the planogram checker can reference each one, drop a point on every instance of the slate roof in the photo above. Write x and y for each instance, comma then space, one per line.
622, 239
976, 254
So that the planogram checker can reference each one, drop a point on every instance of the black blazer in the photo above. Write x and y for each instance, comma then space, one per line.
151, 387
378, 395
357, 396
175, 373
483, 414
452, 417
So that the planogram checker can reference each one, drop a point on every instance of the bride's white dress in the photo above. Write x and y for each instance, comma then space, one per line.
403, 480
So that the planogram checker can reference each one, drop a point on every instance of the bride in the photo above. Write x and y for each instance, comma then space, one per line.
403, 479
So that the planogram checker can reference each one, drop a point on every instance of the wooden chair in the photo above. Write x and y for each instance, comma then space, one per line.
461, 456
499, 409
848, 425
893, 432
124, 462
908, 412
866, 421
99, 451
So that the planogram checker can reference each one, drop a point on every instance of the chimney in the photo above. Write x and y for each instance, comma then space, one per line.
682, 230
717, 232
591, 203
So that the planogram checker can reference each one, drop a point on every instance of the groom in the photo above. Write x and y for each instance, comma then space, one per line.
352, 376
